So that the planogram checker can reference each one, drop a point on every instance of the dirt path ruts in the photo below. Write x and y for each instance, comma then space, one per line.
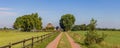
55, 42
73, 44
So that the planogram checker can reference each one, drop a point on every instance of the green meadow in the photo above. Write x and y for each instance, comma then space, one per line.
112, 39
7, 37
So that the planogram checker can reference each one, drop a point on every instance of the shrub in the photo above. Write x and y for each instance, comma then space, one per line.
92, 37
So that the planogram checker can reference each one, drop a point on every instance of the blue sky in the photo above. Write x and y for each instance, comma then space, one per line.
106, 12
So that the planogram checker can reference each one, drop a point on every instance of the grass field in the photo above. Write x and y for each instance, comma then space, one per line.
13, 36
111, 40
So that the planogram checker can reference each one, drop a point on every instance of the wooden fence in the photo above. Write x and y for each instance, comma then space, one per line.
33, 40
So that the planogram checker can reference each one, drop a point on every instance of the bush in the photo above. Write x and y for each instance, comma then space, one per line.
92, 37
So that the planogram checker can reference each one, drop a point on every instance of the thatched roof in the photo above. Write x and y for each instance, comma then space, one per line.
49, 25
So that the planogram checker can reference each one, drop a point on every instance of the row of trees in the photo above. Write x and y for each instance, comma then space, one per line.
108, 29
84, 27
32, 22
6, 28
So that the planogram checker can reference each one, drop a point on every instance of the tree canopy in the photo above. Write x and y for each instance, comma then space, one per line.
67, 21
28, 22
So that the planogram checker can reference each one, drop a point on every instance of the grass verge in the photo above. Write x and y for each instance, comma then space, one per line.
46, 41
78, 38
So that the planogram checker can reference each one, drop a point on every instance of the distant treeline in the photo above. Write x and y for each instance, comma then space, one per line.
108, 29
6, 28
84, 27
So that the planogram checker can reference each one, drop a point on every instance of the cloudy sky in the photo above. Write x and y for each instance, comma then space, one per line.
106, 12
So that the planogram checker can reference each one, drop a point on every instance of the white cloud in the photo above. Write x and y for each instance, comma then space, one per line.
2, 13
5, 8
6, 12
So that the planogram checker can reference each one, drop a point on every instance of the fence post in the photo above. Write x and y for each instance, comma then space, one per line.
32, 42
37, 38
41, 38
49, 34
44, 36
10, 45
24, 43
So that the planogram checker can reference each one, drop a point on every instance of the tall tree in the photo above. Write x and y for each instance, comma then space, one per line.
28, 22
67, 21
